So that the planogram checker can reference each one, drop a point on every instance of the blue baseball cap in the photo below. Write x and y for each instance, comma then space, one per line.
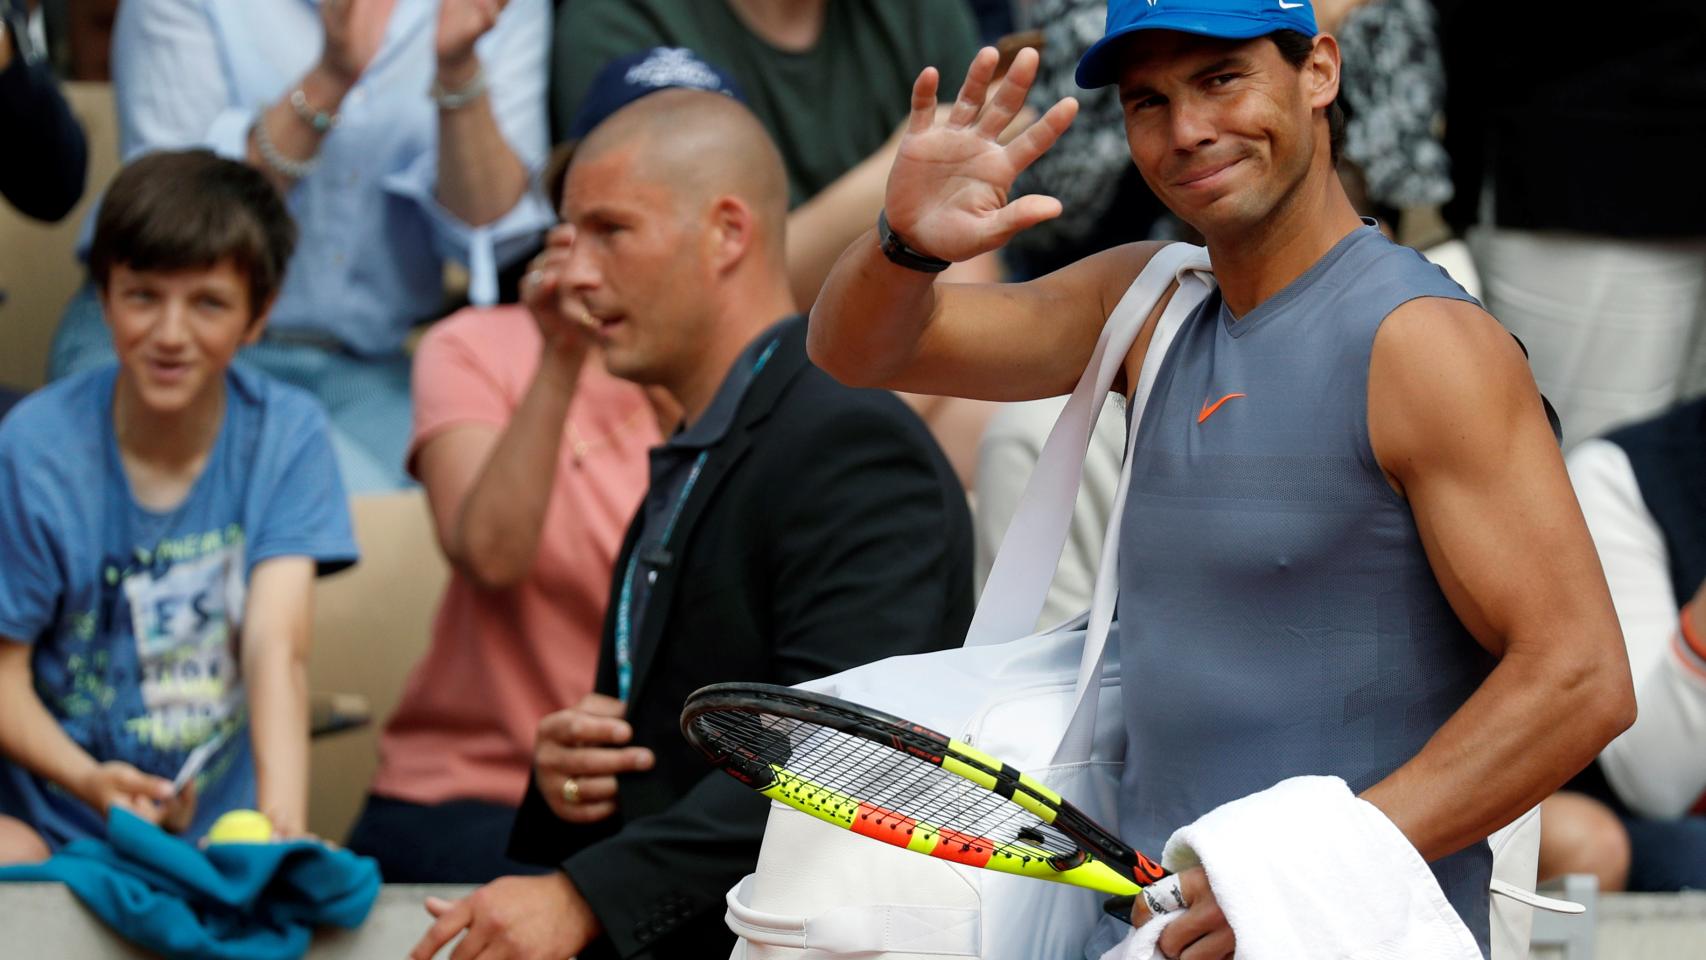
1227, 19
626, 79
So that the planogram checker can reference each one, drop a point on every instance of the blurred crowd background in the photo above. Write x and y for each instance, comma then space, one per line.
1549, 160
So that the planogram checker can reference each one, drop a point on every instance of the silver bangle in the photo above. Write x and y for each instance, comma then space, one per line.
457, 99
270, 155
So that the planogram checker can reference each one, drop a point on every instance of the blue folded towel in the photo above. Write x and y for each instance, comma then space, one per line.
231, 901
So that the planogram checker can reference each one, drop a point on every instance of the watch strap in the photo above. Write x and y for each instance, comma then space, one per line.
900, 254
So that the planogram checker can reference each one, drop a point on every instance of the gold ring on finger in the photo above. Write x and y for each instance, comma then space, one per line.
571, 792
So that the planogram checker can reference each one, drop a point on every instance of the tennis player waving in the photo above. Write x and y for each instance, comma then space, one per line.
1349, 529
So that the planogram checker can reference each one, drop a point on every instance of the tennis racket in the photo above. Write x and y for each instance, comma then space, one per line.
891, 780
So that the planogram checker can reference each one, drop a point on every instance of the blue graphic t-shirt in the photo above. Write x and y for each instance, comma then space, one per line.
134, 615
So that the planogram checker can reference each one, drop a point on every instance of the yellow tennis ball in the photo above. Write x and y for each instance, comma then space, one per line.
241, 826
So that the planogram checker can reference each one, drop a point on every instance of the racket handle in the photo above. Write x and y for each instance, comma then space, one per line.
1162, 896
1120, 907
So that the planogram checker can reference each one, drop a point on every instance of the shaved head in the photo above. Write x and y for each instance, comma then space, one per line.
679, 205
702, 146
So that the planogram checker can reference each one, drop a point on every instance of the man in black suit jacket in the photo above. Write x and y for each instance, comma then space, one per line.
794, 527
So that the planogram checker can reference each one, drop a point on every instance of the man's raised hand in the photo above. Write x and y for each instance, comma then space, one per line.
948, 190
562, 317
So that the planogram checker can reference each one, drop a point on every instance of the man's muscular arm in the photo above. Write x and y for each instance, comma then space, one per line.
1457, 424
879, 324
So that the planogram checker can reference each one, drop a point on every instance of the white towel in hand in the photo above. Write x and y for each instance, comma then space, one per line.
1306, 869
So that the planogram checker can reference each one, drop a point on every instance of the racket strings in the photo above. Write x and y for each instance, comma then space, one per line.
824, 766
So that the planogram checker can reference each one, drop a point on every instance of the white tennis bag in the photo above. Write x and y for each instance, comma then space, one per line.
1041, 702
1046, 703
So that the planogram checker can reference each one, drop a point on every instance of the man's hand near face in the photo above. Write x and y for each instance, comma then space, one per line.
512, 918
586, 745
564, 322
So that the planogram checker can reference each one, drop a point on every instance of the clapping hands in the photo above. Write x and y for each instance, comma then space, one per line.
355, 29
460, 24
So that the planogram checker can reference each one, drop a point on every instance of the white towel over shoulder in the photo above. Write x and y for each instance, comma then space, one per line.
1306, 869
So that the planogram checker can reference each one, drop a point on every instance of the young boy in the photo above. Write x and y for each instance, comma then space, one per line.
163, 521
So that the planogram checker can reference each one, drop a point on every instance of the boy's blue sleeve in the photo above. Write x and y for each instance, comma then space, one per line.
305, 512
31, 579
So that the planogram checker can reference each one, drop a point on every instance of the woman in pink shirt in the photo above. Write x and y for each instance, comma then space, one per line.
534, 460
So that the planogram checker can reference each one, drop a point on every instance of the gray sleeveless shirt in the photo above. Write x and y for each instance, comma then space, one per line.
1279, 616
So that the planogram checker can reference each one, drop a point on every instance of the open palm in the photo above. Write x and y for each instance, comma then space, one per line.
948, 192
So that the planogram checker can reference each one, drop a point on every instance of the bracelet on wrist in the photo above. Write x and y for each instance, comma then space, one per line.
276, 161
902, 255
318, 120
462, 96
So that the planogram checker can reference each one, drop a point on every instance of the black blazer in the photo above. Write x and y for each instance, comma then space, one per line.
826, 530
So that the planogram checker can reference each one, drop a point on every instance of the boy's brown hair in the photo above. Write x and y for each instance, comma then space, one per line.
189, 210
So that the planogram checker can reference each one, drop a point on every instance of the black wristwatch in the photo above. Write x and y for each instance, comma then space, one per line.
902, 255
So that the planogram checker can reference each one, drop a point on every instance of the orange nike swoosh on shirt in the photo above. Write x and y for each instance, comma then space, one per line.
1209, 408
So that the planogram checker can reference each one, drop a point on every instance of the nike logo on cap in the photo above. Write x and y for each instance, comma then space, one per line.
1208, 409
1290, 6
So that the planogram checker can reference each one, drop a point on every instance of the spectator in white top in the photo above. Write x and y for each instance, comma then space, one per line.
404, 134
1645, 505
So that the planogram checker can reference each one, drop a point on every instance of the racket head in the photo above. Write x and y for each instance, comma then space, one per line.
900, 782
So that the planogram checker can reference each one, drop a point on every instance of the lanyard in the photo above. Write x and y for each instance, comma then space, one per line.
625, 603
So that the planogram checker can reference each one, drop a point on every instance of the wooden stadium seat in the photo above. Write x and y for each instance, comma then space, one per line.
371, 624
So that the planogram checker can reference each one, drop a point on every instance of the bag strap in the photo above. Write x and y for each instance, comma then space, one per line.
1018, 583
1195, 283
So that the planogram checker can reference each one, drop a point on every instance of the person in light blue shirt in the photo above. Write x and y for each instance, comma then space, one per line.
163, 519
404, 134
